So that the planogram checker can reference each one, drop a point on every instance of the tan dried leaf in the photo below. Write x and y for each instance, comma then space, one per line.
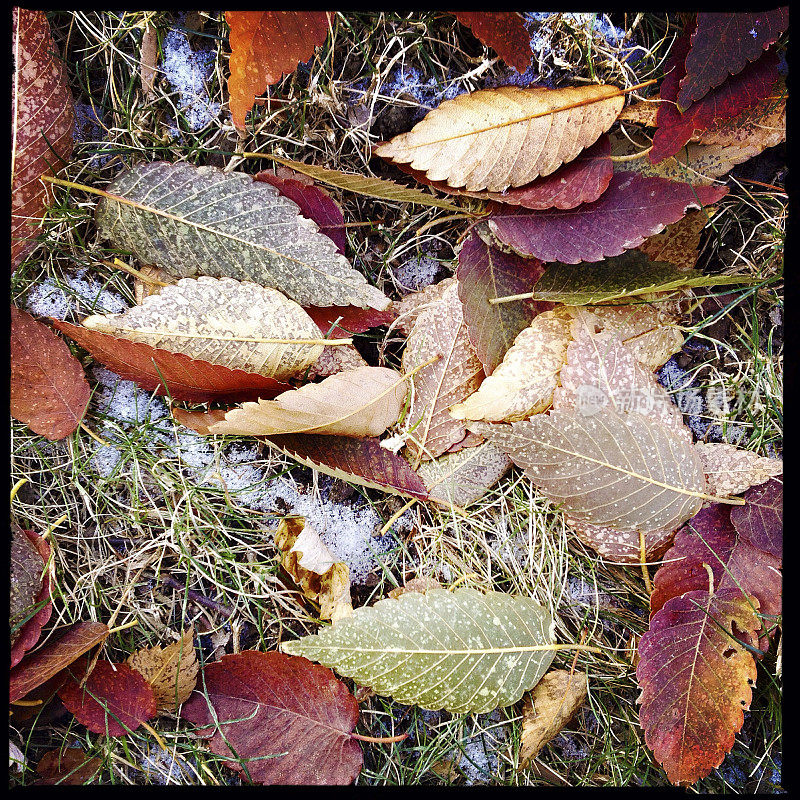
410, 307
622, 546
679, 243
334, 360
642, 113
729, 470
171, 671
143, 288
551, 704
421, 585
148, 60
221, 320
496, 138
359, 402
523, 384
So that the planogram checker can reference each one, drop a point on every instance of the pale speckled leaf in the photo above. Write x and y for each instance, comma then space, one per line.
200, 220
409, 308
729, 470
611, 469
679, 243
334, 360
462, 651
621, 546
523, 384
212, 319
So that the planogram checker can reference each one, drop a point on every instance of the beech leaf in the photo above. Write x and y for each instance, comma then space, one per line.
189, 220
49, 392
729, 470
462, 651
30, 601
760, 520
504, 32
279, 719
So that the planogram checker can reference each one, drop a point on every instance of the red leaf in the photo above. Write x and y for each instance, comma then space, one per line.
49, 392
115, 699
42, 117
736, 95
504, 32
187, 378
256, 705
483, 273
31, 630
353, 319
631, 209
760, 521
67, 767
265, 45
723, 44
315, 203
52, 658
696, 680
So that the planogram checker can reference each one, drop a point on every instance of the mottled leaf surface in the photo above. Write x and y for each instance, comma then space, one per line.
462, 651
760, 520
30, 603
621, 545
504, 32
730, 470
411, 306
678, 244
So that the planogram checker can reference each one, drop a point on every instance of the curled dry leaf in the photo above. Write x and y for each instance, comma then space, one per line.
42, 118
678, 244
760, 520
148, 59
421, 585
552, 703
279, 719
504, 32
171, 670
497, 138
729, 470
200, 220
49, 392
221, 321
314, 569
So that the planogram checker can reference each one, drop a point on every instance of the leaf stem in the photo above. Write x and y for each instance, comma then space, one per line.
17, 486
511, 298
380, 739
130, 624
117, 264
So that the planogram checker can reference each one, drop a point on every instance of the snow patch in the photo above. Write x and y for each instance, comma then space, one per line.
79, 293
417, 272
479, 759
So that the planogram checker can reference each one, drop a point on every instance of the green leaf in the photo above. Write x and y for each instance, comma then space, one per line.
462, 651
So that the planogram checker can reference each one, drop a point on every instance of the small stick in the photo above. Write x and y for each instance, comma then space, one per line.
643, 562
132, 624
380, 739
198, 598
117, 264
94, 435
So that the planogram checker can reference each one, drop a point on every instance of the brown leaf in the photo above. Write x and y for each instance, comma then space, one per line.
335, 360
729, 470
622, 545
421, 584
42, 118
49, 392
171, 671
552, 703
642, 113
411, 306
504, 32
760, 520
255, 705
67, 767
679, 243
148, 60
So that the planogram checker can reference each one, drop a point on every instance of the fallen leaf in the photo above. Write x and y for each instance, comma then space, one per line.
622, 545
760, 520
42, 118
552, 703
49, 392
421, 585
67, 767
496, 138
342, 321
462, 651
335, 360
115, 699
279, 719
678, 244
631, 209
313, 568
148, 60
643, 112
171, 671
504, 32
722, 44
729, 470
409, 308
265, 46
696, 680
189, 220
142, 288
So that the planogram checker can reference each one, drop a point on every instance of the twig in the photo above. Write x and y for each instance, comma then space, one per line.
198, 598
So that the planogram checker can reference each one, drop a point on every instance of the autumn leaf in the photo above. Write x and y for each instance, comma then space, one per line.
622, 545
504, 32
191, 220
722, 44
760, 520
67, 767
335, 360
411, 306
278, 719
678, 244
422, 584
462, 651
631, 209
342, 321
266, 45
49, 392
729, 470
496, 138
42, 118
696, 680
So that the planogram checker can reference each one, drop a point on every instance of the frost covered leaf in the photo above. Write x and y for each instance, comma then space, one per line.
411, 306
49, 392
313, 568
359, 402
729, 470
504, 32
266, 45
722, 45
163, 371
678, 244
439, 331
67, 767
696, 680
631, 209
115, 699
171, 670
42, 119
548, 708
279, 719
497, 138
523, 384
760, 520
462, 651
221, 321
48, 661
484, 273
200, 220
619, 470
462, 478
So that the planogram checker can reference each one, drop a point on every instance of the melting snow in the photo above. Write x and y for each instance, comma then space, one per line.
80, 293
